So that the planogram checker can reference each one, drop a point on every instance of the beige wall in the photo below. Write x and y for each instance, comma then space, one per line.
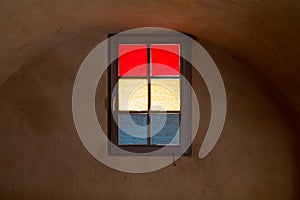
42, 156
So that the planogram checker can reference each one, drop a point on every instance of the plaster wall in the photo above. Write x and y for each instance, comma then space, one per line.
42, 156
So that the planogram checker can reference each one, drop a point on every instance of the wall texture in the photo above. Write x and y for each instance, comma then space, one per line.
42, 156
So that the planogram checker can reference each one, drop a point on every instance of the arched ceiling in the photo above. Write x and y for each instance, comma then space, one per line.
264, 32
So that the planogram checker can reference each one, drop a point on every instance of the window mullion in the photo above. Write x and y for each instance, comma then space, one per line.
149, 93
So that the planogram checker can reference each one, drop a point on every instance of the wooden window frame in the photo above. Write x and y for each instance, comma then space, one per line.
184, 148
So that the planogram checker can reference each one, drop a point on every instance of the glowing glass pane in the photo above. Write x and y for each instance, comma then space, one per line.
133, 60
133, 94
132, 129
165, 129
165, 94
165, 59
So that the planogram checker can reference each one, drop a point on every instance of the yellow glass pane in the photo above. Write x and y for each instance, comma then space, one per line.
133, 94
165, 94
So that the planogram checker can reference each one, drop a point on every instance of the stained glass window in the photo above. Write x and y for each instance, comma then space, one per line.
163, 95
133, 94
133, 60
147, 94
165, 129
165, 60
133, 129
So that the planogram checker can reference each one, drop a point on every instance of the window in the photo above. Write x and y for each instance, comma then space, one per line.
149, 95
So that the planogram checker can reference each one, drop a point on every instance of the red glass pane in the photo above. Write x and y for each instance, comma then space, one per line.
165, 59
133, 60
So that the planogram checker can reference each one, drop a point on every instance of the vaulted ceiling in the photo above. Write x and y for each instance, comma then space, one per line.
265, 33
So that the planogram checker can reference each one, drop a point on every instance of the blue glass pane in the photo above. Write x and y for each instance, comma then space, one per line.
165, 129
132, 129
